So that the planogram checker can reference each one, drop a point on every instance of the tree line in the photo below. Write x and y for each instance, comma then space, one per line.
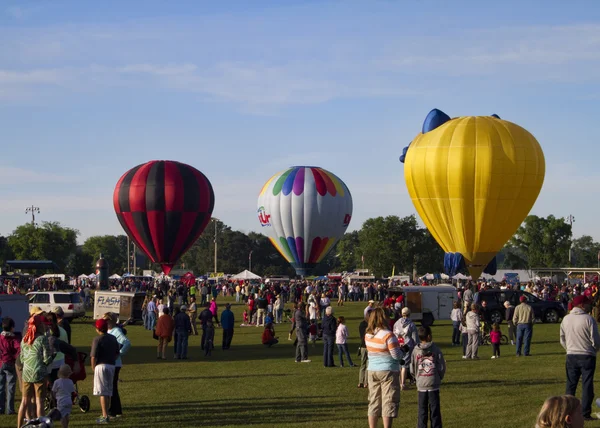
383, 245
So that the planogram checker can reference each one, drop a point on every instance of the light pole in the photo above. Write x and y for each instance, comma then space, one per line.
215, 220
570, 219
32, 209
250, 261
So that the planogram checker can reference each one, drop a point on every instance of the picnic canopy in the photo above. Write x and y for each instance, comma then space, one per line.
246, 274
115, 276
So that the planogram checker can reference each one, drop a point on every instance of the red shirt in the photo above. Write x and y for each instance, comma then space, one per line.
267, 336
10, 348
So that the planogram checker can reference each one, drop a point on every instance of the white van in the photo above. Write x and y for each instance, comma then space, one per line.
427, 303
70, 302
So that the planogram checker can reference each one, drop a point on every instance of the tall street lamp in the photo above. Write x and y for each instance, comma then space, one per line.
33, 210
250, 261
215, 221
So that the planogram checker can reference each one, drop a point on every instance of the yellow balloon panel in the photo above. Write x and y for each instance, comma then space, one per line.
473, 180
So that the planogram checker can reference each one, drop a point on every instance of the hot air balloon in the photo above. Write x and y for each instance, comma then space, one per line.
473, 180
304, 211
164, 206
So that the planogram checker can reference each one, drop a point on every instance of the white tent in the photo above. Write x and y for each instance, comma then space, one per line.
246, 274
115, 276
53, 275
92, 276
82, 276
460, 276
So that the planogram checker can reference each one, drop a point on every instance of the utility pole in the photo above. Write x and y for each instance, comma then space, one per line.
32, 209
128, 255
134, 260
250, 261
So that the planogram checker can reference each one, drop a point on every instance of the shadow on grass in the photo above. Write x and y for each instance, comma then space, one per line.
503, 383
235, 376
248, 411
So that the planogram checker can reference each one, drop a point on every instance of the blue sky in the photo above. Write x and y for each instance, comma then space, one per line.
241, 90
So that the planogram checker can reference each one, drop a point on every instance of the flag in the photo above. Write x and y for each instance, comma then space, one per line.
599, 256
250, 256
362, 258
393, 270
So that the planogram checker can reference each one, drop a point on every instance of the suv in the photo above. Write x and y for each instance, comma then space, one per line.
71, 303
547, 311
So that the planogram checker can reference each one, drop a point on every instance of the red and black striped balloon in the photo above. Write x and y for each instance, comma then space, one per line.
164, 206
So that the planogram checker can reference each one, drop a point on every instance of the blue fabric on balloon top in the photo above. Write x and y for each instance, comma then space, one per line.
496, 116
492, 267
403, 155
434, 119
453, 263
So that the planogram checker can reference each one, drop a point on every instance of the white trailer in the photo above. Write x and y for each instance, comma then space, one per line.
427, 303
127, 304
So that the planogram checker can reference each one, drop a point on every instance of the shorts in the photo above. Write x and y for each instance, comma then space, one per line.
384, 393
37, 389
103, 380
64, 410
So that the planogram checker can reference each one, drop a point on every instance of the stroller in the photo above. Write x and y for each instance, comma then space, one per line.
83, 401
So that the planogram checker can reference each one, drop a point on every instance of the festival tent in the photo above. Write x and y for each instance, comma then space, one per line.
461, 276
53, 275
82, 276
92, 276
246, 274
115, 276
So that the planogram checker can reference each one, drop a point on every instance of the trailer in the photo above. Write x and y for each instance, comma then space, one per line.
127, 304
427, 303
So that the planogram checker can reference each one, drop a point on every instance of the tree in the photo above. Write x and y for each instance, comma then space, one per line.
113, 248
543, 241
585, 252
50, 241
347, 252
5, 251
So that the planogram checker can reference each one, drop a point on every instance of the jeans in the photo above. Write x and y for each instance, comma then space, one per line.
364, 363
511, 330
524, 332
115, 401
279, 316
227, 336
343, 349
455, 333
582, 366
8, 383
151, 320
465, 341
429, 408
182, 343
328, 342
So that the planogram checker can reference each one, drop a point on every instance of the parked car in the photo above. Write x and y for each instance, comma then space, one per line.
547, 311
70, 302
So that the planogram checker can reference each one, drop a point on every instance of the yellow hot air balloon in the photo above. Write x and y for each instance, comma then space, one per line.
473, 180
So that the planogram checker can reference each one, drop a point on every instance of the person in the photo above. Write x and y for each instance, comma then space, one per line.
329, 327
313, 331
301, 327
579, 336
364, 354
341, 336
464, 333
209, 338
560, 412
151, 314
383, 370
278, 307
164, 330
63, 390
214, 310
495, 338
10, 348
369, 307
115, 410
406, 332
268, 337
103, 356
456, 316
62, 321
205, 317
36, 356
227, 323
473, 327
429, 367
323, 304
261, 312
510, 311
523, 320
193, 314
183, 330
467, 299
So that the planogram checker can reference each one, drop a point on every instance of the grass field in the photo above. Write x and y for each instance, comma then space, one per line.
250, 385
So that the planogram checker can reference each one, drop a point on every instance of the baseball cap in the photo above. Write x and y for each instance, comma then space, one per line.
183, 308
102, 325
371, 301
580, 300
405, 311
522, 299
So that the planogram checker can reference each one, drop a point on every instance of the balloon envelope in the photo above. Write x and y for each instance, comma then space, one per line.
304, 211
473, 180
163, 206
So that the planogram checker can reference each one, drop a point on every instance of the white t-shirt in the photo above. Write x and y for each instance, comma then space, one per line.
62, 389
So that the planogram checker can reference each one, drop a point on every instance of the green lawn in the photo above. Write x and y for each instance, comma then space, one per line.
250, 385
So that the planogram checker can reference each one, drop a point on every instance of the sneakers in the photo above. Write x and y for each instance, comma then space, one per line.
102, 420
464, 357
305, 361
